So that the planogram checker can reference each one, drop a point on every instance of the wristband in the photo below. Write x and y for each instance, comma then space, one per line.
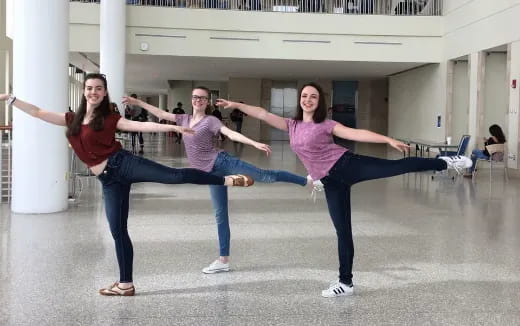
11, 99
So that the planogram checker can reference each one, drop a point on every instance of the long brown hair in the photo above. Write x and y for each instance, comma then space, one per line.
99, 114
496, 131
321, 111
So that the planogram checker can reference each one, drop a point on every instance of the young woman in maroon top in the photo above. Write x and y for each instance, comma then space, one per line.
337, 169
91, 133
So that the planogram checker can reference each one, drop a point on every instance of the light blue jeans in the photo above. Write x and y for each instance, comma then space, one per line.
475, 155
226, 164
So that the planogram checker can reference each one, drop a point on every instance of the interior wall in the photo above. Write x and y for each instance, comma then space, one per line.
180, 91
248, 90
496, 90
416, 98
460, 99
476, 25
372, 111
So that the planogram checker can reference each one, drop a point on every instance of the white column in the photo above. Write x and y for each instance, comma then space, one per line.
40, 76
512, 117
476, 99
163, 101
448, 120
5, 48
112, 30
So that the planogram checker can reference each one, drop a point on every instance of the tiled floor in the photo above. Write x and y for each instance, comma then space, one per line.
428, 252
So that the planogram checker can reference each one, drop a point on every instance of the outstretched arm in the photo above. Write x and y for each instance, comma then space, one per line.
235, 136
137, 126
162, 115
256, 112
48, 116
367, 136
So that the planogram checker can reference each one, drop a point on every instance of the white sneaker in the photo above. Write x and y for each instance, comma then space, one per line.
216, 267
458, 163
338, 289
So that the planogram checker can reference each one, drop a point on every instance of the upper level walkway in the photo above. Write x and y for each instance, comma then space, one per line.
356, 7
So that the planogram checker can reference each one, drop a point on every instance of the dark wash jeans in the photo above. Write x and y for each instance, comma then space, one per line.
123, 169
349, 170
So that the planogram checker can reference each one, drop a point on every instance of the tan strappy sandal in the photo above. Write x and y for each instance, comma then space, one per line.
115, 290
241, 180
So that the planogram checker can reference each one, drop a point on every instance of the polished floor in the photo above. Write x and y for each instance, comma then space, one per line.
428, 252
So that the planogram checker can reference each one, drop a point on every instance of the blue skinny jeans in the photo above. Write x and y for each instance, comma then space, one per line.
349, 170
123, 169
226, 164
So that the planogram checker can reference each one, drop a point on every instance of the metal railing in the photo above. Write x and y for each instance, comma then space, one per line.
354, 7
6, 159
79, 174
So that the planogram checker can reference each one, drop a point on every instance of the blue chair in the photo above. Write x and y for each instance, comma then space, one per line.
461, 150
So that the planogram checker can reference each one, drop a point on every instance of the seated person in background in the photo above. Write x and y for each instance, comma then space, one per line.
497, 137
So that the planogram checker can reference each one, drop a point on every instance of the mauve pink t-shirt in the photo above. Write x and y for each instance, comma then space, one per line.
314, 145
200, 147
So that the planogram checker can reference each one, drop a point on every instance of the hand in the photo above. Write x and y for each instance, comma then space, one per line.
263, 147
128, 100
400, 146
184, 130
4, 97
225, 103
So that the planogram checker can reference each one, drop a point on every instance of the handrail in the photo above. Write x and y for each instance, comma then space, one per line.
5, 180
352, 7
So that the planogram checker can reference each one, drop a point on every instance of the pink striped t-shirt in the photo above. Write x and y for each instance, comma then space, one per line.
200, 147
314, 145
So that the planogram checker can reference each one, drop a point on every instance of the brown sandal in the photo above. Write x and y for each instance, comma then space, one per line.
115, 290
241, 180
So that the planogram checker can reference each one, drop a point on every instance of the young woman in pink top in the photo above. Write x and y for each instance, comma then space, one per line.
91, 133
203, 154
336, 168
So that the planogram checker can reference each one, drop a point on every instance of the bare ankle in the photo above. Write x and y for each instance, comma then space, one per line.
224, 259
228, 181
125, 285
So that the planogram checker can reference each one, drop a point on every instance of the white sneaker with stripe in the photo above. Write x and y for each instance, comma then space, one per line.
338, 289
457, 163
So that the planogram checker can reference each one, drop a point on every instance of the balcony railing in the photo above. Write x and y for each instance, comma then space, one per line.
5, 163
354, 7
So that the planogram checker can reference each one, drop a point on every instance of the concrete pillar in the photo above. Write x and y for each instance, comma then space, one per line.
476, 99
512, 118
163, 102
112, 28
40, 63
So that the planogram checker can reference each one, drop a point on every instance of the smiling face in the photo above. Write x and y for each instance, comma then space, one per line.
312, 106
199, 100
309, 99
94, 91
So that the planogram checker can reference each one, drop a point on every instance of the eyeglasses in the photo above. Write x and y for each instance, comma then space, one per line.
199, 98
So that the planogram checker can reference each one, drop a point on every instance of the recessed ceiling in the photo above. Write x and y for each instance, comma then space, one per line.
150, 73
